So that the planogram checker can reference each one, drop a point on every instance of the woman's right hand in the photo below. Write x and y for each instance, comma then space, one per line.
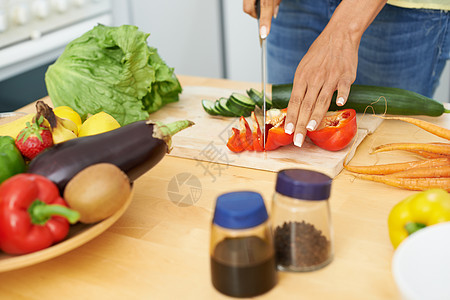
269, 9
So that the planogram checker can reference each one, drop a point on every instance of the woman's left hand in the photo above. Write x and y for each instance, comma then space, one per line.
329, 65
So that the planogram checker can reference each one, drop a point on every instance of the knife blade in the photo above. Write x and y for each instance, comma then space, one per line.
262, 43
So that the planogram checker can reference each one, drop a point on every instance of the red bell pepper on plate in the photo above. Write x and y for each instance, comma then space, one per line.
33, 215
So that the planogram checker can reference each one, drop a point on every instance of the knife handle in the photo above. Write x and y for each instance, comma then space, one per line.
258, 8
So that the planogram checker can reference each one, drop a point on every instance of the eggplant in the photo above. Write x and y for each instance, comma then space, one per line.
134, 148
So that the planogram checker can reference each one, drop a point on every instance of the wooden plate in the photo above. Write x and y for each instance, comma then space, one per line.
79, 234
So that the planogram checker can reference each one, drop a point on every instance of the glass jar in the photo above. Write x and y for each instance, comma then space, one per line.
241, 247
301, 221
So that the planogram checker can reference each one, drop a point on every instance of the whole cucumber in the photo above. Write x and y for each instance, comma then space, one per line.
398, 101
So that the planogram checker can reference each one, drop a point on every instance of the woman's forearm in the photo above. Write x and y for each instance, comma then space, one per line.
354, 16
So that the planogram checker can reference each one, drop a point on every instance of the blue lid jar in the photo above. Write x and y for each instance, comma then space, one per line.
303, 184
240, 210
241, 244
301, 220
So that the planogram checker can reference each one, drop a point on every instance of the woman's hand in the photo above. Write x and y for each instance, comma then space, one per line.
269, 9
329, 65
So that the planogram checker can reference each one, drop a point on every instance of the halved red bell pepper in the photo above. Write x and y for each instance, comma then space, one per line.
33, 216
335, 131
276, 137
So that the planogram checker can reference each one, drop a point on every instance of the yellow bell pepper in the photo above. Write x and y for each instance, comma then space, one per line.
418, 211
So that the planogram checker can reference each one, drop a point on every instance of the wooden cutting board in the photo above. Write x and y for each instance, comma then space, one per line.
206, 140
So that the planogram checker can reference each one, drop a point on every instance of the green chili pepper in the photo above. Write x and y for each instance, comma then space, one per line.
11, 160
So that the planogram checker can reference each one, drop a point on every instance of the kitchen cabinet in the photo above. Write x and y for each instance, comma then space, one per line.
33, 33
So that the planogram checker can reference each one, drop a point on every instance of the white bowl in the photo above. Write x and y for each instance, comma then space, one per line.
421, 264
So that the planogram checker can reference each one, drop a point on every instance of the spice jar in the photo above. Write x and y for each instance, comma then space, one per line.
241, 247
301, 222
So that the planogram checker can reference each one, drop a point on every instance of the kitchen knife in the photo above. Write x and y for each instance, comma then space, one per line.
263, 71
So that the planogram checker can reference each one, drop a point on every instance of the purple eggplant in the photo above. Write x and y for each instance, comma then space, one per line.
135, 148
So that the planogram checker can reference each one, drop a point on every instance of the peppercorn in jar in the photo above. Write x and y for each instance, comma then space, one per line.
301, 221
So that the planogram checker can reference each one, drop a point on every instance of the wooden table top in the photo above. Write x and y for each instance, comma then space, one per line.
159, 250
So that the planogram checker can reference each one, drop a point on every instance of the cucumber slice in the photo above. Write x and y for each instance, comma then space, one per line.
235, 106
217, 108
223, 104
238, 108
256, 96
242, 99
222, 110
208, 106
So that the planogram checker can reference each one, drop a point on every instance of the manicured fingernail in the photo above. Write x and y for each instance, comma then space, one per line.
289, 129
263, 32
340, 101
275, 12
298, 140
311, 125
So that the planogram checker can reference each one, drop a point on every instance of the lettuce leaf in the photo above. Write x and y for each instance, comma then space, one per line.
112, 69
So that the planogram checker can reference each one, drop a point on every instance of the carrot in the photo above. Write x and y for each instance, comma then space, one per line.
427, 126
426, 154
429, 147
436, 172
397, 167
414, 184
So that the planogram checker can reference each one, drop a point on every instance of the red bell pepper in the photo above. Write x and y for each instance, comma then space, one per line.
245, 134
234, 142
33, 215
246, 138
335, 131
241, 139
258, 144
276, 137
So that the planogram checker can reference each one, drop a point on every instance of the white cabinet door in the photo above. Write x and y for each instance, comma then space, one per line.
187, 34
243, 52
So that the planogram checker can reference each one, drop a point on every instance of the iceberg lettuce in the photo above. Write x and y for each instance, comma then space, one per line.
112, 69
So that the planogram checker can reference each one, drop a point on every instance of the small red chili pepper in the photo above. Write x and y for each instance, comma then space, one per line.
33, 216
335, 131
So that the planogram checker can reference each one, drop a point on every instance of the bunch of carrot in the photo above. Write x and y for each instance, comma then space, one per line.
433, 171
